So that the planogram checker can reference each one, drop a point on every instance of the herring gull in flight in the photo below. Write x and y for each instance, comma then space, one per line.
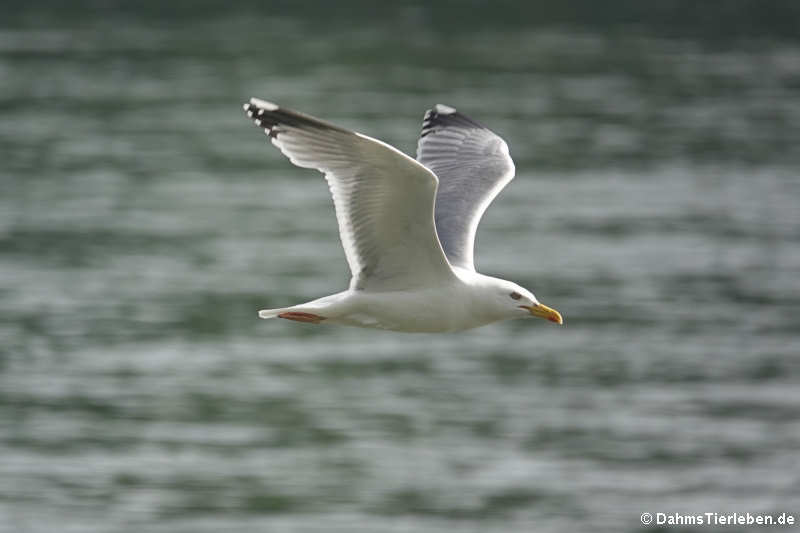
407, 226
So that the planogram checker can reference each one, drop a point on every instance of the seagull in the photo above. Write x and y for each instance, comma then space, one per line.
407, 226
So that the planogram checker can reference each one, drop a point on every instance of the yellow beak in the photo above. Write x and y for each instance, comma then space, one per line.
542, 311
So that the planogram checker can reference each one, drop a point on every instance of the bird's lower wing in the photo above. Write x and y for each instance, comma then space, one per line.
384, 199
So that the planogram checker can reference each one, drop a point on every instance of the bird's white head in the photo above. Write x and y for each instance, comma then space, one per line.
518, 302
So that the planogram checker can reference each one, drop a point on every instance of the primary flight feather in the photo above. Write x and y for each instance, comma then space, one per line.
407, 226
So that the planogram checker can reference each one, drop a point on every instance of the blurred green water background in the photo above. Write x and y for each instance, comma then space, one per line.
144, 221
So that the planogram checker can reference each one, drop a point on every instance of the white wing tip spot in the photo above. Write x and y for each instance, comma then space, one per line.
269, 106
445, 109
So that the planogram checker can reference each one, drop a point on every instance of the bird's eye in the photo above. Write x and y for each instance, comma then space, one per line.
515, 295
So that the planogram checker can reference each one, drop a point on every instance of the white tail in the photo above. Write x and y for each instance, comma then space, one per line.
272, 313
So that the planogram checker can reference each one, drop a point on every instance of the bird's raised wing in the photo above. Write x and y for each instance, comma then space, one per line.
384, 199
473, 165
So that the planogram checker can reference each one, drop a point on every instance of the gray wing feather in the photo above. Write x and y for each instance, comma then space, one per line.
384, 199
473, 165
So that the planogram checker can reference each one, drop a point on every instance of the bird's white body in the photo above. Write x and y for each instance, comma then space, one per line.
464, 303
407, 226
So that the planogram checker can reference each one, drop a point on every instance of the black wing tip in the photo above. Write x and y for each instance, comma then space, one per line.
271, 117
442, 116
264, 114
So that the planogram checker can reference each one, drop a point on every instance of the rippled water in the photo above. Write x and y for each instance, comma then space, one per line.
144, 221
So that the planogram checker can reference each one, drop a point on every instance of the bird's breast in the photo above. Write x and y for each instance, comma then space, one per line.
433, 310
